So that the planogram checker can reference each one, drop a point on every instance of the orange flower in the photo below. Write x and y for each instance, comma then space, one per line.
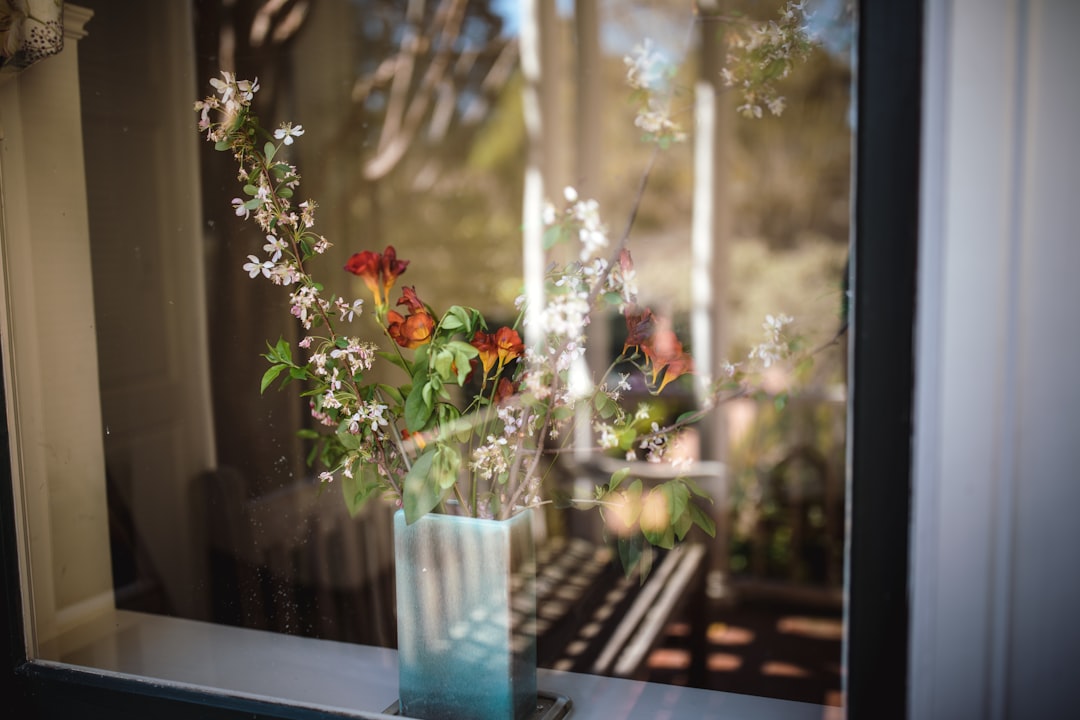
666, 353
379, 272
489, 353
502, 346
418, 438
410, 332
508, 344
661, 346
413, 330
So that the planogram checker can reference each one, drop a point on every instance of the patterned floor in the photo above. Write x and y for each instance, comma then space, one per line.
780, 651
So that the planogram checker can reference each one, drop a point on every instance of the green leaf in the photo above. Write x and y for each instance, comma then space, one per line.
552, 236
617, 477
418, 408
268, 151
284, 350
655, 522
677, 496
250, 189
420, 359
664, 539
562, 412
702, 520
695, 488
445, 466
464, 319
419, 495
391, 392
686, 417
682, 525
222, 145
394, 359
359, 488
346, 438
463, 354
605, 406
270, 375
612, 299
635, 554
444, 361
285, 192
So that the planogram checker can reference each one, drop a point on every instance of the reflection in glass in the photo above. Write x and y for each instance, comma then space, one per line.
419, 134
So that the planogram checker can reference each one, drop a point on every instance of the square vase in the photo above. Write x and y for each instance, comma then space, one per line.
466, 617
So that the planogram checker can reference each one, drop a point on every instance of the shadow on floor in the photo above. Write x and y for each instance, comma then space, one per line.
759, 648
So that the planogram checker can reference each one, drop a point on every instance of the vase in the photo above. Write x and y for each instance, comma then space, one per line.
466, 617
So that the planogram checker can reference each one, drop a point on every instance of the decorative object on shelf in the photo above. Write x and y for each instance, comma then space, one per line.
30, 30
481, 413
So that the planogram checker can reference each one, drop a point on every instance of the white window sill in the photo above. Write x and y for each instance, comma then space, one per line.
342, 677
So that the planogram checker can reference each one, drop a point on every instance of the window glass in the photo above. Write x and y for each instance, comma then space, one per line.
422, 123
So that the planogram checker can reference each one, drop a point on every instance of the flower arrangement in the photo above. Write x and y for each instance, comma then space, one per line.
481, 413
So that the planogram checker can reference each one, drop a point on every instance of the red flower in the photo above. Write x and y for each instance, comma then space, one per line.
503, 390
379, 272
640, 325
410, 300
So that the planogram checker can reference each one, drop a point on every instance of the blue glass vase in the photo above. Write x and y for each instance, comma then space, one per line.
466, 616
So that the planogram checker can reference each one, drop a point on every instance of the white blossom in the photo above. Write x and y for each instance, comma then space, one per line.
656, 120
287, 132
239, 206
646, 66
608, 439
346, 311
274, 247
254, 267
490, 459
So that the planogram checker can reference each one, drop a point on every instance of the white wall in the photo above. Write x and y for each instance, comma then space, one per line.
995, 563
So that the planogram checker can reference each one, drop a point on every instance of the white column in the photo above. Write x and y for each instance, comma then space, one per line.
50, 345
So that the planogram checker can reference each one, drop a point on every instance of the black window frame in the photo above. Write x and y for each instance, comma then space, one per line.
883, 284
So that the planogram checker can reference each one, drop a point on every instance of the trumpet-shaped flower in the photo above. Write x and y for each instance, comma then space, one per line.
499, 347
413, 330
378, 271
661, 346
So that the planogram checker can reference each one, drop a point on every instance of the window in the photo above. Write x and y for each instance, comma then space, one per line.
170, 360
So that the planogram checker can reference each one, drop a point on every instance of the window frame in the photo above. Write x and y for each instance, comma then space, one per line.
883, 269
